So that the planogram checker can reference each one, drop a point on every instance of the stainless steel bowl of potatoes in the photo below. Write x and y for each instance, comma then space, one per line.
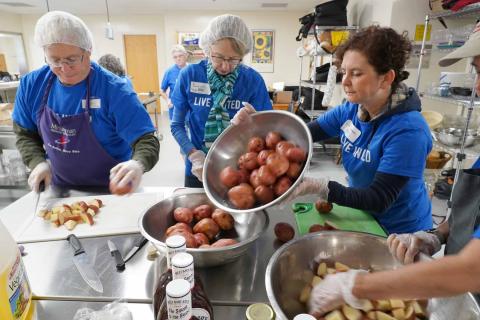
296, 266
213, 236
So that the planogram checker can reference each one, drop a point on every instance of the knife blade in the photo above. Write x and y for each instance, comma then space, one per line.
41, 188
116, 254
137, 245
80, 259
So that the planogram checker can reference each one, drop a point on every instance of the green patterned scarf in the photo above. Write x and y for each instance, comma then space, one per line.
221, 89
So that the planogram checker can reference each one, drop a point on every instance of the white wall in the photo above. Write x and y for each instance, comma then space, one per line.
8, 49
10, 22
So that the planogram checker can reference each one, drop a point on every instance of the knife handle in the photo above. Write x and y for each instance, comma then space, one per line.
140, 242
118, 260
41, 186
76, 244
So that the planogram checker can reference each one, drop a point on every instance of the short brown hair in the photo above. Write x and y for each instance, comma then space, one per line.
384, 49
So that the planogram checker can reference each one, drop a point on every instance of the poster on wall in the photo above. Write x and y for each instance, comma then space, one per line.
263, 49
190, 41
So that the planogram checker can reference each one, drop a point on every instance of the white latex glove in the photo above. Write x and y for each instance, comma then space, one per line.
243, 115
316, 186
197, 158
333, 291
127, 172
41, 172
301, 52
406, 246
170, 104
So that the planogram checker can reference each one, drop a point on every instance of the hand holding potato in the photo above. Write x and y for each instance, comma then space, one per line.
125, 177
405, 247
243, 115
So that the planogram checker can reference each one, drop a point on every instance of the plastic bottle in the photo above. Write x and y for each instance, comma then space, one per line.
179, 300
15, 293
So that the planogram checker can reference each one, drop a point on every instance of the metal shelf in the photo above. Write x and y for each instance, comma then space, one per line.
450, 100
471, 152
474, 8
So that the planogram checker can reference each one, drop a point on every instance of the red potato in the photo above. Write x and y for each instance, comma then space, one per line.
244, 176
264, 194
242, 196
178, 226
323, 206
115, 189
206, 226
256, 144
283, 146
83, 205
250, 161
284, 231
223, 243
202, 211
316, 228
201, 239
272, 139
266, 176
282, 185
278, 164
296, 154
229, 177
190, 240
183, 215
94, 208
223, 219
294, 170
254, 179
262, 156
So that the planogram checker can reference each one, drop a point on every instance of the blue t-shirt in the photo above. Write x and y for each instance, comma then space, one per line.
192, 95
476, 165
169, 79
118, 117
398, 145
477, 233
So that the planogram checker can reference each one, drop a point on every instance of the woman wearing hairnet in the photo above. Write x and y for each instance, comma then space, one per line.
214, 91
179, 55
78, 125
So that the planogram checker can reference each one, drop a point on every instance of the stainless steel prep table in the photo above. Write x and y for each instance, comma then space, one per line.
60, 291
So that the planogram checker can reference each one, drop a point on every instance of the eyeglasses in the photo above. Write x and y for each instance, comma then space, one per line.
70, 61
220, 60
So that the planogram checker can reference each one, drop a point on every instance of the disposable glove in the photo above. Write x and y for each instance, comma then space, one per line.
406, 246
197, 158
316, 186
333, 291
126, 173
243, 115
41, 172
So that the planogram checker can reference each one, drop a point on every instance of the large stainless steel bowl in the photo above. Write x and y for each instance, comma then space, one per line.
154, 222
453, 136
289, 270
232, 143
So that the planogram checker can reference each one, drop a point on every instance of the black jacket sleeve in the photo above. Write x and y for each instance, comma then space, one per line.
146, 150
377, 197
317, 132
30, 145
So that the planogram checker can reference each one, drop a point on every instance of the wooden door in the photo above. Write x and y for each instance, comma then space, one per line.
141, 63
3, 63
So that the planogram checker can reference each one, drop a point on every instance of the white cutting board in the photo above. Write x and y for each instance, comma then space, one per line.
119, 215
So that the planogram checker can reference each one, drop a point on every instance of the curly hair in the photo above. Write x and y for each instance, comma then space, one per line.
384, 49
112, 64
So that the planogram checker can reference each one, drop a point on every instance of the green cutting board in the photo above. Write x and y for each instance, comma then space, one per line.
345, 218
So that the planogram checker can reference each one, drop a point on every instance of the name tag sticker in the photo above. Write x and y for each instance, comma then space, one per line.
199, 87
351, 132
94, 103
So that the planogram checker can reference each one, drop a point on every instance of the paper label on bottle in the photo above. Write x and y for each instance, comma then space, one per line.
18, 289
184, 273
171, 252
200, 314
179, 308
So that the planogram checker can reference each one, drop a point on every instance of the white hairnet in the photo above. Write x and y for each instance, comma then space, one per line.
226, 26
178, 48
62, 27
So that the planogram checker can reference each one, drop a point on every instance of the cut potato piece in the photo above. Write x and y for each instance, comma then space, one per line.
70, 224
322, 269
417, 308
340, 267
331, 271
396, 303
367, 305
351, 313
409, 313
305, 294
316, 280
398, 314
42, 213
372, 315
335, 315
382, 305
383, 316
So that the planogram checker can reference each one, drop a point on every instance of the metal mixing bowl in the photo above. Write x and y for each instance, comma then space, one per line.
290, 269
453, 136
232, 143
154, 222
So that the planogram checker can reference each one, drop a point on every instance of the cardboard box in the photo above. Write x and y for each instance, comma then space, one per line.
282, 97
437, 6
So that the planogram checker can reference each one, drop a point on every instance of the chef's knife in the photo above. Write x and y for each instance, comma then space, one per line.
116, 254
137, 245
80, 259
41, 188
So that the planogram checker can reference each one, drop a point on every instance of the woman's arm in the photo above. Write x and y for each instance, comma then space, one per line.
179, 99
146, 150
30, 146
447, 276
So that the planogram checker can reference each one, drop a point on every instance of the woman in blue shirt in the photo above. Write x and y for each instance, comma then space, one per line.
114, 65
179, 55
214, 91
